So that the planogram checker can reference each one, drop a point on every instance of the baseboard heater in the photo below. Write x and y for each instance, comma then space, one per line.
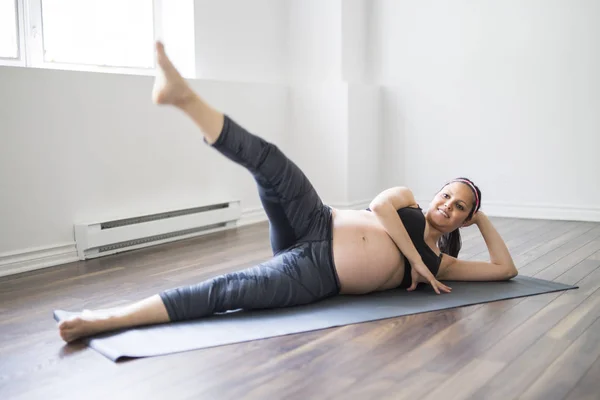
110, 237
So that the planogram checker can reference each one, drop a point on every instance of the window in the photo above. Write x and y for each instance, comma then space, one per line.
117, 33
9, 29
93, 35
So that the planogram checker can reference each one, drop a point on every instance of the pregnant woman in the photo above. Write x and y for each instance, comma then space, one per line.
318, 251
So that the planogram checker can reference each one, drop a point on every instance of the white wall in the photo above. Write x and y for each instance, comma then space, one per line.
365, 144
336, 113
318, 137
356, 40
505, 92
315, 32
86, 147
242, 40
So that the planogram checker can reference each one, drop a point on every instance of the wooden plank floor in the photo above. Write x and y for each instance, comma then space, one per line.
539, 347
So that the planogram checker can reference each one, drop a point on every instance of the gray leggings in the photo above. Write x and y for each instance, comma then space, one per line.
301, 270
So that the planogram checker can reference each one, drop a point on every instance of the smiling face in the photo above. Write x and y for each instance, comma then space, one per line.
451, 207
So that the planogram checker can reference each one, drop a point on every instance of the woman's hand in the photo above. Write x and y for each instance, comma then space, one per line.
474, 219
421, 274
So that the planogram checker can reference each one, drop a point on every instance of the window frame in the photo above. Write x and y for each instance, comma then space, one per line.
21, 59
31, 42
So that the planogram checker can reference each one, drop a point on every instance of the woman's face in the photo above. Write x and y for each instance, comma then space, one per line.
450, 208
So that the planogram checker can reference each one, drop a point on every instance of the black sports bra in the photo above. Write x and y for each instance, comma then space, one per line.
414, 221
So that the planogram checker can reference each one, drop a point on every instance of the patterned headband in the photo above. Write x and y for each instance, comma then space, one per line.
472, 188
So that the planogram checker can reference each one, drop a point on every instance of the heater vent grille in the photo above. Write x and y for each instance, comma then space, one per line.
157, 238
110, 237
165, 215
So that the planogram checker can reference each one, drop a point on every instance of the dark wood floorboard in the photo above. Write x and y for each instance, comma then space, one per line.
539, 347
587, 387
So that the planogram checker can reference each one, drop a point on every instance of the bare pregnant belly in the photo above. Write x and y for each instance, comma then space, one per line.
365, 256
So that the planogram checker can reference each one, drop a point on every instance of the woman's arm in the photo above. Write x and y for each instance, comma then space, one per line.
497, 248
385, 207
388, 217
500, 267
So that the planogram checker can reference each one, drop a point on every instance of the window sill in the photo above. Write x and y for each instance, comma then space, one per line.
80, 67
12, 62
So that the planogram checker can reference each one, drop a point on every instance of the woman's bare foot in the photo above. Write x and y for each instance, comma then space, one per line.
148, 311
169, 86
86, 324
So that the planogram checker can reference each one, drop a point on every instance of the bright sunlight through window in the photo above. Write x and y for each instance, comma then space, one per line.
9, 46
116, 33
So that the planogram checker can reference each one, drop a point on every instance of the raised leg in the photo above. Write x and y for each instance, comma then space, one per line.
289, 199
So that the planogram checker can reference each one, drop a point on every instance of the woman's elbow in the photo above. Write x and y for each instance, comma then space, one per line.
379, 207
511, 272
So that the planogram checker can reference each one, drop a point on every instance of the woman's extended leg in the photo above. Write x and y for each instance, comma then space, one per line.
149, 311
289, 199
298, 276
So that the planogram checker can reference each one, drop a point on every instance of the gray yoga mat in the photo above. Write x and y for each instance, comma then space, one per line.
242, 326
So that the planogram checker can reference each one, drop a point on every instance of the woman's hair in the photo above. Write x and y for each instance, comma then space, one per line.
450, 243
